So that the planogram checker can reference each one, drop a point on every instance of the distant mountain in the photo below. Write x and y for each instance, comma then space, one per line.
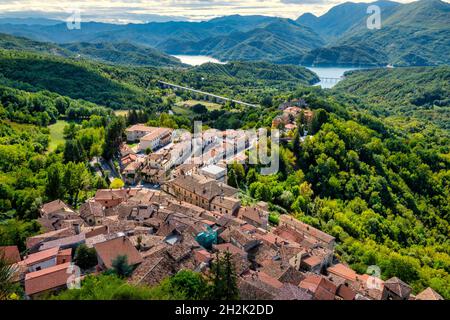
344, 17
416, 34
271, 42
412, 34
23, 44
117, 53
123, 53
29, 21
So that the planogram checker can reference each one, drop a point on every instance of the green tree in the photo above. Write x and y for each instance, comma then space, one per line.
76, 178
224, 278
85, 257
73, 151
7, 286
113, 137
54, 187
120, 266
116, 183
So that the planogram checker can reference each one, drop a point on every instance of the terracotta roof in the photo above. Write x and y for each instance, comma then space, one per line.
155, 133
319, 286
62, 242
248, 228
111, 249
54, 206
345, 292
203, 186
228, 247
45, 279
288, 233
41, 256
139, 127
252, 213
305, 228
312, 261
154, 268
291, 292
202, 256
91, 207
10, 253
273, 282
429, 294
52, 235
179, 251
110, 194
397, 286
343, 271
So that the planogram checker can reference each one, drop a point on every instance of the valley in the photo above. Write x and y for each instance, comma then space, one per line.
101, 164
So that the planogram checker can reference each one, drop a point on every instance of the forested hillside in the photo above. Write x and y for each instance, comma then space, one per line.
420, 93
123, 53
416, 34
382, 190
75, 79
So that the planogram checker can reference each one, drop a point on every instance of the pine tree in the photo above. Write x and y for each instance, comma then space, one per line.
224, 278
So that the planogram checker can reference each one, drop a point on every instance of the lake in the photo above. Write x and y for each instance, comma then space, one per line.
329, 72
197, 60
322, 72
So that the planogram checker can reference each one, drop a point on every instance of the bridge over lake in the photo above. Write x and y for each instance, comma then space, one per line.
328, 79
206, 95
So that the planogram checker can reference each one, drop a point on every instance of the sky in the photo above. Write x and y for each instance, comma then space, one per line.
125, 11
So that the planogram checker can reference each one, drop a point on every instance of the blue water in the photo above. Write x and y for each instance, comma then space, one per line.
329, 72
197, 60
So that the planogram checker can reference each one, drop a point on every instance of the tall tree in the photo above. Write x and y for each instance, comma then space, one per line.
113, 137
76, 178
6, 278
54, 187
224, 278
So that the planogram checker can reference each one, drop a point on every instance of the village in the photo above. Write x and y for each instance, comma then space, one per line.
177, 212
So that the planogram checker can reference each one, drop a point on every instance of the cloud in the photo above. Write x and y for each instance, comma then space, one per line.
148, 10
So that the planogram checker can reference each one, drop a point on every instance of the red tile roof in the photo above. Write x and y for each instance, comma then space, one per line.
41, 256
229, 247
345, 292
312, 261
46, 279
54, 206
429, 294
10, 253
111, 249
320, 287
271, 281
343, 271
398, 287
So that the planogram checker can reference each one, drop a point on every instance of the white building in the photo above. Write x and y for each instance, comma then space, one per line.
156, 138
214, 172
137, 131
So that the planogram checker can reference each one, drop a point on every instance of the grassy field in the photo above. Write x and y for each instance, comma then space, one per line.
209, 105
182, 111
56, 134
121, 112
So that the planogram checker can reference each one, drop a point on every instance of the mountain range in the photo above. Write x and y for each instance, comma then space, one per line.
411, 34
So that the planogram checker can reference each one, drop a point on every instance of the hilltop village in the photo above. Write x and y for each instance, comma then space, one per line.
177, 212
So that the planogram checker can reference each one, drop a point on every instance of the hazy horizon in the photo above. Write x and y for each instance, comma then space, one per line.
139, 11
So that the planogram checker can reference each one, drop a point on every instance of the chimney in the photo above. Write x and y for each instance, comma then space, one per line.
77, 228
